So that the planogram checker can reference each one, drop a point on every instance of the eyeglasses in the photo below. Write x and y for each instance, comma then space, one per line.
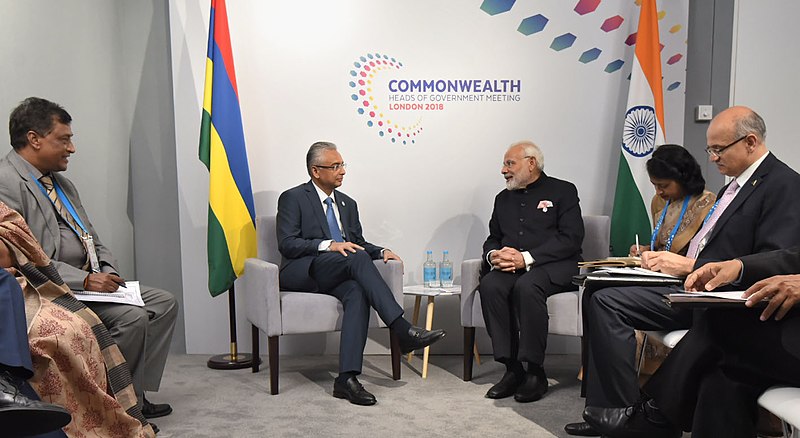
511, 163
717, 151
333, 167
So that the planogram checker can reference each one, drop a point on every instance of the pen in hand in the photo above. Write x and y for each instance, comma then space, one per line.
638, 251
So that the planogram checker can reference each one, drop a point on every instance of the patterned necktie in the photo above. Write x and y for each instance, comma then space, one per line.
336, 233
47, 182
699, 239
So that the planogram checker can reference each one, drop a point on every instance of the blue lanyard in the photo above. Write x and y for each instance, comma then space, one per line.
674, 230
710, 212
67, 204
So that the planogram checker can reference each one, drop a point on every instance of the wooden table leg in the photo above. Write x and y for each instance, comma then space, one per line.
414, 319
428, 326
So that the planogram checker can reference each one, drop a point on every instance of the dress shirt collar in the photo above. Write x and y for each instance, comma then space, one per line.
322, 195
745, 176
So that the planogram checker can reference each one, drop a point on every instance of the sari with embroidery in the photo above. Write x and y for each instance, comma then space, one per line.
696, 212
76, 363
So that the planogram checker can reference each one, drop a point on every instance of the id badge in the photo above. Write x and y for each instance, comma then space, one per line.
88, 244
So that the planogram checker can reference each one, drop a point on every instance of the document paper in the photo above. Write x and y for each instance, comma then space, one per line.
130, 294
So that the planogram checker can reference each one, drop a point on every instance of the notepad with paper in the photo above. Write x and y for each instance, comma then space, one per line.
130, 294
710, 299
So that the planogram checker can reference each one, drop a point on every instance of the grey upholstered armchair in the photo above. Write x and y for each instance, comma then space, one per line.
279, 312
564, 308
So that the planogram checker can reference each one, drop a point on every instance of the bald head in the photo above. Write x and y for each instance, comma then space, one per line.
735, 138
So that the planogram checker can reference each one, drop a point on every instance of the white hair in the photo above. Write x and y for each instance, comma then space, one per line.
531, 150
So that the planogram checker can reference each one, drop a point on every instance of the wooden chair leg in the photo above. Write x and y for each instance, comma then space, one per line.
272, 342
469, 342
256, 358
394, 345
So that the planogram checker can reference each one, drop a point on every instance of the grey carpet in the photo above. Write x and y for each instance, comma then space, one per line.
213, 403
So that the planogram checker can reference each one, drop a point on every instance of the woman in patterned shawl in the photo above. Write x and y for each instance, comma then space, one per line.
76, 363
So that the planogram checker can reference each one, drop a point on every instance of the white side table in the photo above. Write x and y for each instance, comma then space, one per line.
431, 293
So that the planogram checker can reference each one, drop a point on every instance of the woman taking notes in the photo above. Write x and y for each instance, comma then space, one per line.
681, 202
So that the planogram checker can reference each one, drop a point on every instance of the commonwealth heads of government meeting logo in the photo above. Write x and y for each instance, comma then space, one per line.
370, 70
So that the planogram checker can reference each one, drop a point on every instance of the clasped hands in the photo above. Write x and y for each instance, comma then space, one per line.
507, 259
344, 247
783, 291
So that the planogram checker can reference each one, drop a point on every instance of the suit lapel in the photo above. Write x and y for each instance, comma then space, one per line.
344, 214
744, 193
316, 206
43, 202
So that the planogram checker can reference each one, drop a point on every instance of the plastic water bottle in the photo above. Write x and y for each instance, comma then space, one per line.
446, 271
429, 271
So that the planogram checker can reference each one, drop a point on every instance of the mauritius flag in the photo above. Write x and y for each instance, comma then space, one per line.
231, 213
642, 132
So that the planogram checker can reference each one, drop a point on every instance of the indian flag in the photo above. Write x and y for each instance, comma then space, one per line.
643, 130
231, 211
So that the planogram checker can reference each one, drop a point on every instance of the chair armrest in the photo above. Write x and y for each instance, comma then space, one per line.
259, 287
470, 273
392, 274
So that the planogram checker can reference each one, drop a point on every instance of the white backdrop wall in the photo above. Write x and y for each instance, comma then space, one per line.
293, 66
764, 70
45, 45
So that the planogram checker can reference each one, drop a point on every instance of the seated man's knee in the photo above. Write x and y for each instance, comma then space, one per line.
137, 319
360, 257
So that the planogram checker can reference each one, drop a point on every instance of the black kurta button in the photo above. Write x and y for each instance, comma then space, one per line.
521, 233
522, 204
522, 219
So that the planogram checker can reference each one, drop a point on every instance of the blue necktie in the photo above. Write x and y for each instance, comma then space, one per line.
336, 234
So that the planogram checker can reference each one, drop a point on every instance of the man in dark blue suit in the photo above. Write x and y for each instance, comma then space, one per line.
319, 237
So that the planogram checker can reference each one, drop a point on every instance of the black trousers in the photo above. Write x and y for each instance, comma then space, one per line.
355, 281
710, 382
514, 308
611, 316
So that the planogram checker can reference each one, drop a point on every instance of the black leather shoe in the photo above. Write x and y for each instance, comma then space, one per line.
532, 389
506, 387
418, 337
352, 390
631, 421
581, 429
156, 430
22, 416
155, 410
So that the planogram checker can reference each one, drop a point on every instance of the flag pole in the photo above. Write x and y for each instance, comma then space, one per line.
234, 360
231, 210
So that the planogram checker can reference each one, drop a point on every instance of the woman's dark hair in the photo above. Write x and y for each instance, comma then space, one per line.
671, 161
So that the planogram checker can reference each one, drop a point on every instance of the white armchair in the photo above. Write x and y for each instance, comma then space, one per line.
279, 312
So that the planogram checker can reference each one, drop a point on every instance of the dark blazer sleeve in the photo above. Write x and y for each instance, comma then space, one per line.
764, 265
495, 239
567, 241
292, 244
